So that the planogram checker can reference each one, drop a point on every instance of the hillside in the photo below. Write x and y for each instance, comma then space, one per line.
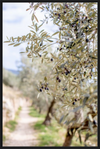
13, 71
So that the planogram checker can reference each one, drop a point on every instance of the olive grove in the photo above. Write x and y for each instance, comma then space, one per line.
71, 82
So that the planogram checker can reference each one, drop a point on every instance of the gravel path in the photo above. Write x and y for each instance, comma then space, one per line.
24, 134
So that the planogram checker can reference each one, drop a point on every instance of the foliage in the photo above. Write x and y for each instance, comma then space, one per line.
10, 79
75, 64
29, 74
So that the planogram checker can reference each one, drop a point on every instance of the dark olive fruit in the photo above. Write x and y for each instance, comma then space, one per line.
42, 87
40, 90
51, 59
65, 68
60, 49
94, 122
86, 17
58, 8
89, 20
64, 11
40, 55
74, 78
55, 13
59, 80
59, 15
66, 5
46, 88
86, 28
40, 44
73, 103
64, 46
75, 99
65, 89
87, 40
66, 73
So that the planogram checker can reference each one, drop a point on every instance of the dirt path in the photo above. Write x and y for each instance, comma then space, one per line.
24, 134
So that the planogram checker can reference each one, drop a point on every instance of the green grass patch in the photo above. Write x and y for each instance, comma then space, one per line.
12, 123
17, 113
34, 113
48, 140
48, 135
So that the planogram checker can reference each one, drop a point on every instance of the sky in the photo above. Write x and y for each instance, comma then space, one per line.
15, 23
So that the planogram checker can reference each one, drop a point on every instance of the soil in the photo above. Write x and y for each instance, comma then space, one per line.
24, 134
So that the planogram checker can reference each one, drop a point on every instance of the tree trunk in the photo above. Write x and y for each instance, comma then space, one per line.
39, 110
47, 120
68, 138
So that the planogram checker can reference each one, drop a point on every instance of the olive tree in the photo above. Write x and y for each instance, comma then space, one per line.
74, 71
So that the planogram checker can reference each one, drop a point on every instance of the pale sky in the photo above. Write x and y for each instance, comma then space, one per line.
15, 23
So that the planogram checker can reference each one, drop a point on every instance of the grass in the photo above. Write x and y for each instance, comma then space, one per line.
48, 136
17, 113
34, 113
53, 135
12, 123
